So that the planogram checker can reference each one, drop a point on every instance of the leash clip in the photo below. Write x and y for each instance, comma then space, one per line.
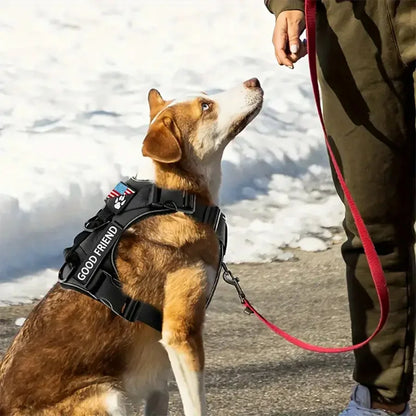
234, 281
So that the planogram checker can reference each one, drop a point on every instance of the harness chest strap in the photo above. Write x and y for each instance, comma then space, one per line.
90, 263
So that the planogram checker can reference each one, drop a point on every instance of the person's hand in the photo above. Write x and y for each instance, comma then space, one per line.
288, 47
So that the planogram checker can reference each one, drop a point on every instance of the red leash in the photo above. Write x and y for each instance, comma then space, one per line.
369, 249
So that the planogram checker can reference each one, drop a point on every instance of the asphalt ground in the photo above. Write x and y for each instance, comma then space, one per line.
250, 370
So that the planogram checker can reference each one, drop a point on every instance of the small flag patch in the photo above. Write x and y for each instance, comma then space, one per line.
120, 189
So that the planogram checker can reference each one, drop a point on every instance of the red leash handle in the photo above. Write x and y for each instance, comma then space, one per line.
369, 249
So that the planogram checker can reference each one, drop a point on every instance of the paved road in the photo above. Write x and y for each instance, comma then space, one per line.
250, 371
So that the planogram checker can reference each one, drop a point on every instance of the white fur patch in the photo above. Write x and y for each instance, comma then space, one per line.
235, 104
114, 403
190, 383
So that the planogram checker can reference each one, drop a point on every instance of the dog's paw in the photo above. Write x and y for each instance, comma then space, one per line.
119, 202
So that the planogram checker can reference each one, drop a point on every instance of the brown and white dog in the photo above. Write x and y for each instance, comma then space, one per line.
73, 356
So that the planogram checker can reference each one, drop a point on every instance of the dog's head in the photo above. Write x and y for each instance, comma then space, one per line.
188, 136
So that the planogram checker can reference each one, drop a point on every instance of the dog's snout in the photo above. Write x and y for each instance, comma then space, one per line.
252, 83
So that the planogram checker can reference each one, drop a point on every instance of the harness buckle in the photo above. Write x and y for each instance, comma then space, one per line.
130, 309
175, 200
189, 203
213, 216
234, 281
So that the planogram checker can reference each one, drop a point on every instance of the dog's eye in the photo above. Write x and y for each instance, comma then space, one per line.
205, 106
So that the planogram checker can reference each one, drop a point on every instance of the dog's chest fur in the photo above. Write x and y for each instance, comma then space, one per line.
154, 248
158, 246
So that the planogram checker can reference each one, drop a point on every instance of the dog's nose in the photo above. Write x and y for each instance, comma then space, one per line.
252, 83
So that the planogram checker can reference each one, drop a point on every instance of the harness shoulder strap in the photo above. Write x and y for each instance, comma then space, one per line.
182, 201
90, 262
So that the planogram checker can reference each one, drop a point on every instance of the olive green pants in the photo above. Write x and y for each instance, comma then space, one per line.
367, 53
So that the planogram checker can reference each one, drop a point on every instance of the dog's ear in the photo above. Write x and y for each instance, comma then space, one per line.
162, 142
156, 102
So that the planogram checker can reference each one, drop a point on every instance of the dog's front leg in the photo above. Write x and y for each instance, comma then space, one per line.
183, 316
190, 380
189, 377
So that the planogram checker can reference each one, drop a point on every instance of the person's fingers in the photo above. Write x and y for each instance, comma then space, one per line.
280, 41
293, 36
301, 52
288, 47
295, 27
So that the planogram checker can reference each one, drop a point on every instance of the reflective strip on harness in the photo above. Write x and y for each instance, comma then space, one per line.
89, 266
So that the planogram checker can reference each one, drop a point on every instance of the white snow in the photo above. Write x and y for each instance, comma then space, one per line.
74, 78
312, 244
20, 321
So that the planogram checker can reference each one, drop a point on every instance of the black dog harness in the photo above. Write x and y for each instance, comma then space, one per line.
89, 265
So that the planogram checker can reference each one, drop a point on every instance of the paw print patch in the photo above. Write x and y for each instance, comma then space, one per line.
119, 202
119, 196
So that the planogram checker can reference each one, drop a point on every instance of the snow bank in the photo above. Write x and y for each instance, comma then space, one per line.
73, 111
